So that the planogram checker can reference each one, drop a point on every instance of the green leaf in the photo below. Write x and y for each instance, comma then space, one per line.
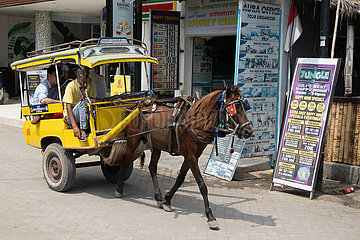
18, 27
20, 43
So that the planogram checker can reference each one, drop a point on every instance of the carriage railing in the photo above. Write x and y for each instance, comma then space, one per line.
121, 41
55, 48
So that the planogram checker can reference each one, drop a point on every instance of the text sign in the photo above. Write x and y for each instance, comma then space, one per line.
306, 117
165, 46
224, 164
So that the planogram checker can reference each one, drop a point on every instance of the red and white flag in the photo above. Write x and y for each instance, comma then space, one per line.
294, 29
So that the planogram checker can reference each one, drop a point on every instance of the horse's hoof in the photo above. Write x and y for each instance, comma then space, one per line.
167, 208
213, 225
118, 195
159, 204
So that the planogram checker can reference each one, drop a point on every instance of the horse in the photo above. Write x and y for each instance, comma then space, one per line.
196, 127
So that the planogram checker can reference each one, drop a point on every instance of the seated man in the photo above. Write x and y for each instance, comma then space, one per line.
47, 91
75, 106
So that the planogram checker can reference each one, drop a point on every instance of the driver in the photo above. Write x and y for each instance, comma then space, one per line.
75, 106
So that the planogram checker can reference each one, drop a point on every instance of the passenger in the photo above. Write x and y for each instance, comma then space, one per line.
98, 82
75, 106
47, 90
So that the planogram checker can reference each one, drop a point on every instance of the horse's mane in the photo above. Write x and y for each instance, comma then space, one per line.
202, 117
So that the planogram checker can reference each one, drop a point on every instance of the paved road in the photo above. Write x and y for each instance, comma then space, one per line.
30, 210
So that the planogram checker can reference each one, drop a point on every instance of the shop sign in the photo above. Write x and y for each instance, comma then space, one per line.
257, 72
165, 40
225, 163
123, 18
211, 18
306, 118
119, 86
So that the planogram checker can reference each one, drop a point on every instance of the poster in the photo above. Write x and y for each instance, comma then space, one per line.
123, 18
33, 80
306, 118
118, 86
224, 165
210, 17
165, 40
257, 72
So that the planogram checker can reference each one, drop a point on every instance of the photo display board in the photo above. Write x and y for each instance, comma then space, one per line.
165, 46
306, 117
257, 71
224, 164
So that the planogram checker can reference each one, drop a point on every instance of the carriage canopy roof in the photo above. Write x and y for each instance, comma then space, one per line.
103, 52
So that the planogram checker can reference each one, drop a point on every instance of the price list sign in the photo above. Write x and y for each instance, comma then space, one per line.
165, 40
306, 118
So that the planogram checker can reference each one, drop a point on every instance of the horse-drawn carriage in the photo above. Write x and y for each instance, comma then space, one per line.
107, 116
121, 125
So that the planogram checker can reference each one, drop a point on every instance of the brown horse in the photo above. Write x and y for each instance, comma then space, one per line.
197, 128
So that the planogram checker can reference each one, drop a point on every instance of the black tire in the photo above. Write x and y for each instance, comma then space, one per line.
58, 168
112, 173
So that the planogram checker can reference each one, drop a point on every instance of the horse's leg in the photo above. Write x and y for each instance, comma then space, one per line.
179, 180
193, 162
120, 182
155, 155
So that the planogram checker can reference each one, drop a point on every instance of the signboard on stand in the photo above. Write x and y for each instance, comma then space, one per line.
165, 46
224, 164
306, 117
123, 18
257, 71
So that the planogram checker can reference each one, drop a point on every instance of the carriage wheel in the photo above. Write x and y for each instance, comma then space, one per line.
111, 173
58, 168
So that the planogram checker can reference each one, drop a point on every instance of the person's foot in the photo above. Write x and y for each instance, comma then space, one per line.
83, 136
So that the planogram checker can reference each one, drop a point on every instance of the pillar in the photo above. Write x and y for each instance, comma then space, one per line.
42, 29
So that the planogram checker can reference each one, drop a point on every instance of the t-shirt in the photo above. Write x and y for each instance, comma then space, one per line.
73, 95
45, 90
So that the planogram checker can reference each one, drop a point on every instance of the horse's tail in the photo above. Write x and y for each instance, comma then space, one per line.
142, 160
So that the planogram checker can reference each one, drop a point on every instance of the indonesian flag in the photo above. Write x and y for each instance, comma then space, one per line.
294, 29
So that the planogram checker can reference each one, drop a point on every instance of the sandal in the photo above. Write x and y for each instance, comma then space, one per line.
83, 138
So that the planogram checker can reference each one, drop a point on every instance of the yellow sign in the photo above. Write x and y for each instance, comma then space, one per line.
118, 86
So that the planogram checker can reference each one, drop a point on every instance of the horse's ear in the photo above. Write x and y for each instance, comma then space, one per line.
233, 92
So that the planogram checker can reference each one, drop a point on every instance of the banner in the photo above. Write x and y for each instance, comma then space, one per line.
306, 117
123, 18
211, 18
257, 71
165, 46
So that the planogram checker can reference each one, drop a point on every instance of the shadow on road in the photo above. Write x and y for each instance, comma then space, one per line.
138, 189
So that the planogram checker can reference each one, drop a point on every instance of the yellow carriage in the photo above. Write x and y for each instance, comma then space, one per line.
44, 126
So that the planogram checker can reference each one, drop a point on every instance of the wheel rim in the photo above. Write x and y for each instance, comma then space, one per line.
54, 169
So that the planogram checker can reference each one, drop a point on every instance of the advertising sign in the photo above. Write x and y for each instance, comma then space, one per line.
123, 18
33, 80
306, 117
224, 164
165, 40
257, 71
118, 86
211, 18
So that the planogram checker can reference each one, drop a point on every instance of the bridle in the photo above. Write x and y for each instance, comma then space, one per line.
231, 111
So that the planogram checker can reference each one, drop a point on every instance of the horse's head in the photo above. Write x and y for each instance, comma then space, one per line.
234, 111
